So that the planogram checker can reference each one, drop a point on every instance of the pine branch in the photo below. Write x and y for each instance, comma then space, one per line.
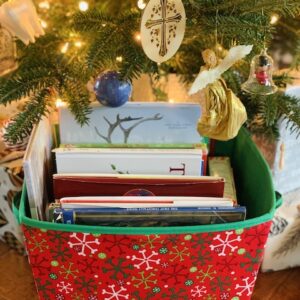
23, 84
92, 20
78, 98
288, 7
134, 62
289, 108
102, 51
21, 126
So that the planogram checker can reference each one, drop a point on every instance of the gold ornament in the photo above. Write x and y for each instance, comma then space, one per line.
224, 113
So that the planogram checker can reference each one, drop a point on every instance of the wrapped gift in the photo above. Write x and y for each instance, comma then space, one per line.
286, 169
283, 245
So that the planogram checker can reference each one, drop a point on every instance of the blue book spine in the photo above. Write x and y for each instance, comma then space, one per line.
68, 216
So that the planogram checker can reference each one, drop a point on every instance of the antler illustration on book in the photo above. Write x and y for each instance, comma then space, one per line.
126, 131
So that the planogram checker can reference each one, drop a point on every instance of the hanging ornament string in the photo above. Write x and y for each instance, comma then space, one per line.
264, 32
216, 30
260, 81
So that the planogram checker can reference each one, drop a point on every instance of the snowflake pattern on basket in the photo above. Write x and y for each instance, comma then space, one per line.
215, 265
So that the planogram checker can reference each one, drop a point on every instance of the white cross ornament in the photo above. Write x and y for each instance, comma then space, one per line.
162, 29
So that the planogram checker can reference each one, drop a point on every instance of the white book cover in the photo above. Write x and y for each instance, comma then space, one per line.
133, 123
185, 162
144, 201
36, 164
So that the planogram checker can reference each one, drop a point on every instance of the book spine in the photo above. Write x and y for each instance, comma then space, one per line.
132, 146
68, 216
68, 213
183, 165
152, 217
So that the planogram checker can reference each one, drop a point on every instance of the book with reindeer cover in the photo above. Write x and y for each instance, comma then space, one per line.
181, 162
133, 123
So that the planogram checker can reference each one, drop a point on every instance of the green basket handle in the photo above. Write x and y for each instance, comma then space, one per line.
279, 199
16, 207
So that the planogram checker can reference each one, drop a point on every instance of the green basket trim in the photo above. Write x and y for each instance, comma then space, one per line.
138, 230
265, 213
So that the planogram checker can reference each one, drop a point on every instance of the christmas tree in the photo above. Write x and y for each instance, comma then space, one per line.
85, 38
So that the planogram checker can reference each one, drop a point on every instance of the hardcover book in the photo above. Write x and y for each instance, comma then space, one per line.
221, 166
76, 185
143, 201
37, 168
182, 162
133, 123
151, 216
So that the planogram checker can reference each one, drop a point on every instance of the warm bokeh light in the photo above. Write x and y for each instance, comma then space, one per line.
44, 24
119, 59
44, 5
274, 19
78, 44
137, 37
141, 4
83, 6
59, 103
65, 48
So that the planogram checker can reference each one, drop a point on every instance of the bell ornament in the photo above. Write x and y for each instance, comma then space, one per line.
260, 79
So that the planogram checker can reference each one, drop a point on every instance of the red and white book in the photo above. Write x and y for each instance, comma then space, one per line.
143, 201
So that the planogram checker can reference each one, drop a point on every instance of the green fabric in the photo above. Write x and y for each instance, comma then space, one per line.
254, 188
252, 176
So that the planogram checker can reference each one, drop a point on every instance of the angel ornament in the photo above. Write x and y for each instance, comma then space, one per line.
224, 113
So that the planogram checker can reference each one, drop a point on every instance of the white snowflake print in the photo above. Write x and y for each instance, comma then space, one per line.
224, 244
198, 291
247, 287
224, 296
83, 244
59, 297
92, 297
64, 287
113, 294
145, 260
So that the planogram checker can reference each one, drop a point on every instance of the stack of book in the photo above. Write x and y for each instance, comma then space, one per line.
138, 165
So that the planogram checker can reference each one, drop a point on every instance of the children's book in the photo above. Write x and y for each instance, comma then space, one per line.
151, 216
133, 123
142, 201
220, 166
181, 162
76, 185
37, 168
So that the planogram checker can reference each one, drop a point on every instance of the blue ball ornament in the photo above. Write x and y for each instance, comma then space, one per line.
111, 91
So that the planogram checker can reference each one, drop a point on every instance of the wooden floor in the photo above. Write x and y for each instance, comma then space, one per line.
16, 282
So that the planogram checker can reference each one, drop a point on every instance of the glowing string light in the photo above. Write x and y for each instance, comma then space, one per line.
141, 4
137, 37
274, 19
83, 6
44, 5
78, 44
64, 49
44, 24
59, 103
